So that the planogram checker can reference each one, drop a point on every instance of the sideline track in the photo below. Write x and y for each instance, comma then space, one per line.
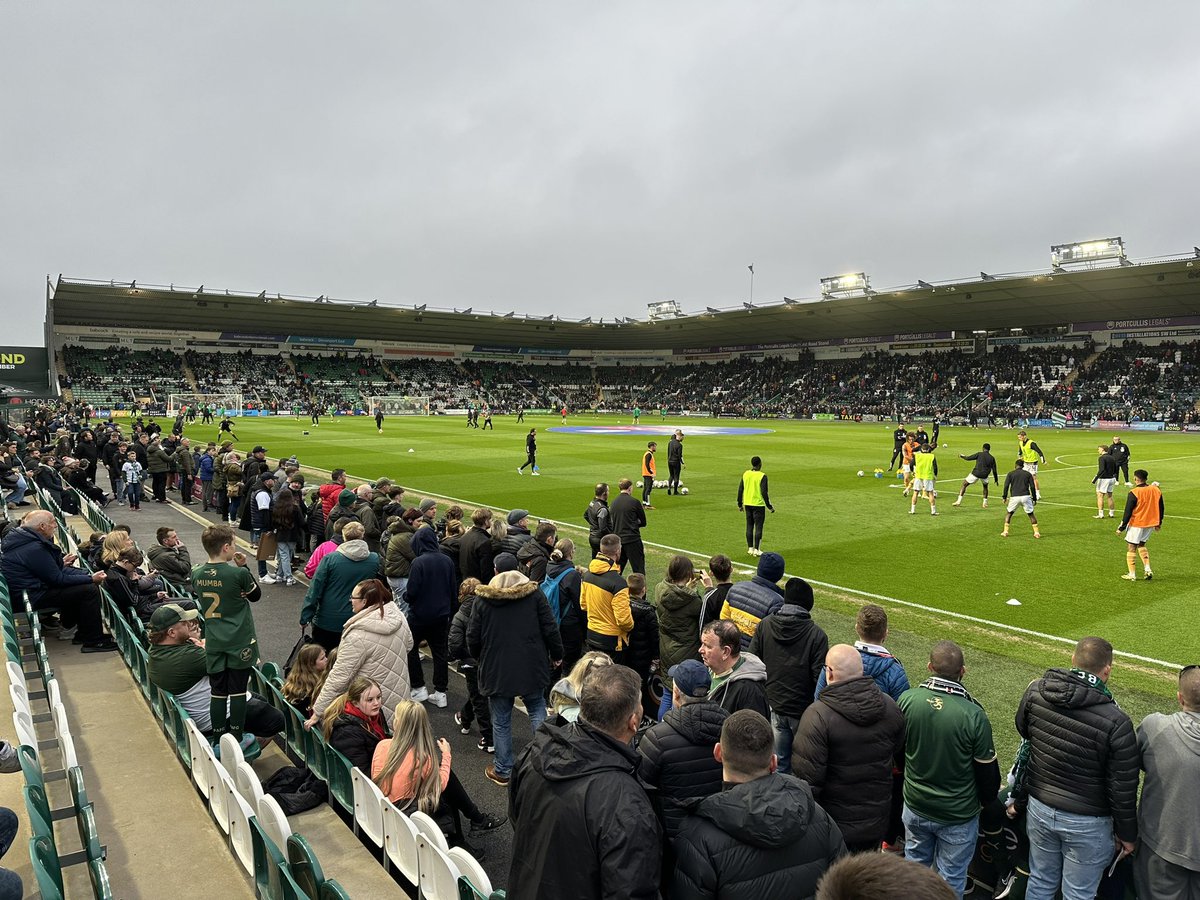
977, 620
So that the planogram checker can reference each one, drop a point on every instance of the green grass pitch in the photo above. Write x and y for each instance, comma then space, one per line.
852, 534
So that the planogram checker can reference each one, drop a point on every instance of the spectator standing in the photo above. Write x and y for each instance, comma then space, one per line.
642, 652
1167, 865
476, 707
330, 491
739, 680
1082, 775
792, 647
513, 636
597, 517
207, 470
679, 608
604, 596
158, 464
132, 473
288, 521
171, 558
583, 825
185, 467
518, 533
31, 562
327, 603
720, 567
563, 576
765, 838
881, 876
846, 748
432, 590
749, 602
871, 624
398, 553
950, 768
628, 518
475, 554
534, 555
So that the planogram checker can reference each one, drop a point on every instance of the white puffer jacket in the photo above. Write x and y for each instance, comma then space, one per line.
376, 647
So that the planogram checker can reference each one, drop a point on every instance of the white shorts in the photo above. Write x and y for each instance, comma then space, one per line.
906, 468
1015, 502
971, 479
1105, 485
1031, 468
924, 484
1137, 536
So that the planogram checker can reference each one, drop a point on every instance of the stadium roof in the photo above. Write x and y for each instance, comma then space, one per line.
1153, 288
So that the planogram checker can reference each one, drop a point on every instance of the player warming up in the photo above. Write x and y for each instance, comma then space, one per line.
530, 453
1144, 510
1019, 491
379, 419
907, 452
985, 465
925, 470
649, 469
1105, 480
754, 498
1031, 454
899, 439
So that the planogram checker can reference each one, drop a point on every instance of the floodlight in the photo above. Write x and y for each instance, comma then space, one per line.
664, 309
789, 301
853, 283
509, 315
420, 308
1087, 251
262, 296
748, 305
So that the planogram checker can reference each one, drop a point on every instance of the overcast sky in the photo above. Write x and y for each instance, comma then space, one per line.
582, 158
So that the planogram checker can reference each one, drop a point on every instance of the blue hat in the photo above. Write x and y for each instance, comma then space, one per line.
691, 677
771, 567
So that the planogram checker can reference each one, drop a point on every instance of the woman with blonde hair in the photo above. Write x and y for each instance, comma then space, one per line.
114, 543
354, 723
306, 677
404, 769
564, 696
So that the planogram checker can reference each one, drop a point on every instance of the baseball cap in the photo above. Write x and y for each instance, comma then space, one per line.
171, 614
691, 677
427, 504
259, 449
517, 515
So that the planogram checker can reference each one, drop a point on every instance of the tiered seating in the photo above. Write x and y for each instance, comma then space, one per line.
342, 381
145, 373
260, 379
438, 379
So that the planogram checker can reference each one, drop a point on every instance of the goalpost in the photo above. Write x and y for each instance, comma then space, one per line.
227, 403
399, 405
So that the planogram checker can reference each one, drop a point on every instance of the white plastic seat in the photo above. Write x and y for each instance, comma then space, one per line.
23, 725
53, 694
471, 869
368, 806
427, 826
240, 836
220, 787
273, 822
61, 725
246, 782
16, 674
197, 749
439, 876
400, 842
20, 699
231, 754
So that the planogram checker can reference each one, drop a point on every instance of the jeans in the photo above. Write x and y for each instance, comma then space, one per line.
1068, 848
206, 492
18, 492
283, 558
186, 488
118, 486
399, 588
134, 493
947, 849
502, 708
11, 887
233, 508
785, 732
665, 706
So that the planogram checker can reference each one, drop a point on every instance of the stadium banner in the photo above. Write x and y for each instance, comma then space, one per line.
1172, 426
1143, 335
823, 417
25, 372
506, 351
1191, 428
330, 341
1066, 340
1147, 426
1039, 423
244, 336
421, 353
1111, 425
1129, 324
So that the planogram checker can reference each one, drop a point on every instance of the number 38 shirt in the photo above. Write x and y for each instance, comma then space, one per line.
226, 592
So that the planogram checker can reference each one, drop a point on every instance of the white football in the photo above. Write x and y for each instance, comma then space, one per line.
860, 473
683, 490
639, 484
411, 450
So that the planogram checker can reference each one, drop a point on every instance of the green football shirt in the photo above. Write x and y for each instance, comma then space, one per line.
946, 735
225, 592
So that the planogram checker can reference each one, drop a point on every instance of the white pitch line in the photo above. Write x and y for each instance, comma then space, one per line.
837, 587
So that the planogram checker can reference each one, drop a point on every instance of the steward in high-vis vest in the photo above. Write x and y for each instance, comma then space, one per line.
754, 499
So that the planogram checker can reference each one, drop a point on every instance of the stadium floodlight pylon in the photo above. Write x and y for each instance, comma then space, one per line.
224, 403
399, 405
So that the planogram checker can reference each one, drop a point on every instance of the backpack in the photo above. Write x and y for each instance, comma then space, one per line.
552, 588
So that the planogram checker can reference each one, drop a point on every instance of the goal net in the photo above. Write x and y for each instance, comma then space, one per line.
229, 403
399, 405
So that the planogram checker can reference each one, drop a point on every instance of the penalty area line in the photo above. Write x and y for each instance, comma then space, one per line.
978, 620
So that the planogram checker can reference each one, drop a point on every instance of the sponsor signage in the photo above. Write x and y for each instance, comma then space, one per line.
310, 339
1110, 425
25, 372
1140, 335
1147, 426
1126, 324
244, 336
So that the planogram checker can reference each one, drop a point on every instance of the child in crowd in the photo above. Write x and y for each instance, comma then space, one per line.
226, 589
476, 707
132, 472
306, 677
564, 696
642, 653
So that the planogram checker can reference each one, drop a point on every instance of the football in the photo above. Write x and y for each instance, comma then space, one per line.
683, 490
861, 473
639, 484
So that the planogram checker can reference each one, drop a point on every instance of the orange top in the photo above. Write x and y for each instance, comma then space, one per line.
400, 790
648, 463
907, 450
1146, 513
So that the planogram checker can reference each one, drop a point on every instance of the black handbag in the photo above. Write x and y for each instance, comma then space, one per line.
300, 645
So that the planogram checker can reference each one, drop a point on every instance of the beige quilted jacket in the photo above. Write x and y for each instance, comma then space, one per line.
374, 646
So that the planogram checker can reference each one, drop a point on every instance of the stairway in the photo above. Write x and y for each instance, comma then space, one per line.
60, 367
190, 375
1085, 364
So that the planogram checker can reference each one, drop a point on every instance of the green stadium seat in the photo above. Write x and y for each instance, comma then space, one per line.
31, 766
38, 808
78, 792
89, 835
46, 868
270, 671
99, 875
331, 890
304, 866
315, 755
337, 776
268, 864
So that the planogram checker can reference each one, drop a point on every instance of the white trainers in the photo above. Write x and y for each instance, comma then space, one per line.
268, 579
67, 634
1129, 576
536, 472
985, 504
438, 699
519, 472
957, 502
419, 695
912, 510
1098, 516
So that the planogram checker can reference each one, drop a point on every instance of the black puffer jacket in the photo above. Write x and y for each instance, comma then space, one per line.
351, 738
513, 635
532, 559
792, 647
517, 538
572, 621
642, 647
763, 839
677, 758
845, 748
583, 825
1083, 753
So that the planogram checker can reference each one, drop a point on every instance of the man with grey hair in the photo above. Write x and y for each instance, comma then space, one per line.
583, 825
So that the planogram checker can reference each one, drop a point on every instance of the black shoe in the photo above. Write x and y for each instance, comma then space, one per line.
104, 646
487, 823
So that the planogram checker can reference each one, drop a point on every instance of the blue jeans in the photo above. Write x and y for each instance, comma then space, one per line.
785, 732
283, 558
1068, 848
399, 588
18, 492
233, 507
501, 709
665, 706
947, 849
11, 887
134, 493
